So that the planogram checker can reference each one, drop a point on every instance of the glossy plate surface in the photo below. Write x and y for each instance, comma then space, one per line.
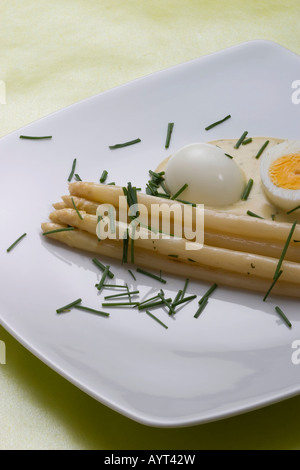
238, 355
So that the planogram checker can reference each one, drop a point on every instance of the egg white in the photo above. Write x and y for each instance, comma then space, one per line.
213, 178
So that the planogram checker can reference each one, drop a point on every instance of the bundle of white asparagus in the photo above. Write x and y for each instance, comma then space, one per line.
239, 251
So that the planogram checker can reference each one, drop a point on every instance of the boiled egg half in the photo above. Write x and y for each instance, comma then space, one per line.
280, 174
213, 178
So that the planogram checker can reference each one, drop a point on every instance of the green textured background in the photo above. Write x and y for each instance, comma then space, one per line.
53, 54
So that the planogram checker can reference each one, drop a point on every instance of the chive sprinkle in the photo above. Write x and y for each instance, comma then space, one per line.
15, 242
293, 210
131, 273
283, 316
252, 214
229, 156
72, 170
167, 303
65, 229
262, 149
272, 285
169, 133
186, 299
103, 176
77, 177
102, 267
178, 297
119, 304
202, 306
179, 191
147, 273
241, 139
147, 301
35, 138
296, 241
125, 248
156, 319
208, 293
153, 304
217, 122
123, 294
68, 306
248, 188
286, 245
125, 144
103, 278
185, 288
77, 211
115, 286
247, 141
91, 310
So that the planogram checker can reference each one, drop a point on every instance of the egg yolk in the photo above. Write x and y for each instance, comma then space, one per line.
285, 172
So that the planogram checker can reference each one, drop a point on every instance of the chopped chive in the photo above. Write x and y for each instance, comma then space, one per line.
173, 256
185, 288
125, 144
115, 286
202, 306
102, 267
208, 293
247, 141
286, 245
178, 296
229, 156
169, 133
180, 191
262, 149
103, 176
273, 216
132, 250
68, 306
125, 248
91, 310
293, 210
35, 138
146, 273
193, 204
131, 273
153, 304
168, 303
15, 242
241, 139
135, 292
77, 177
119, 304
77, 211
186, 299
65, 229
72, 170
155, 297
192, 260
272, 285
248, 188
252, 214
104, 276
283, 316
217, 122
296, 241
111, 184
156, 319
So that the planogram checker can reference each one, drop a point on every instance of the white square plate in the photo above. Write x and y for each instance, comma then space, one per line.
237, 355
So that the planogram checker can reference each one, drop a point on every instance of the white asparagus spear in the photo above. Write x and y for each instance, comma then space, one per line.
84, 241
209, 256
215, 221
260, 247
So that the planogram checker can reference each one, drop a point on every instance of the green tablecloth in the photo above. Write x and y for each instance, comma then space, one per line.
53, 54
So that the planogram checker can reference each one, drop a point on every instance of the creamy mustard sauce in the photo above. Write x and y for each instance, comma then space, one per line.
257, 201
